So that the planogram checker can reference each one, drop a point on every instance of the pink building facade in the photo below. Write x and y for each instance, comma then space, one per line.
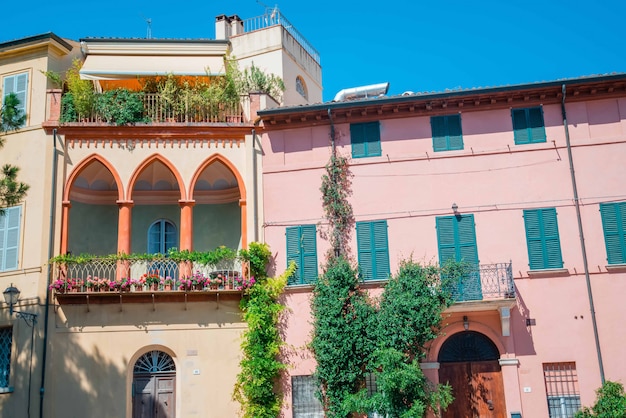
523, 182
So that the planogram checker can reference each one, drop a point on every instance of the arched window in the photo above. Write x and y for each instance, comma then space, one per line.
162, 235
301, 87
154, 386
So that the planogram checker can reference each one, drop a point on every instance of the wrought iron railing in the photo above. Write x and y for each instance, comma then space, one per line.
110, 275
275, 17
483, 282
160, 109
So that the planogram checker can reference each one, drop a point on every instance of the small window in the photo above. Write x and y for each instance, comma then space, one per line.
162, 236
614, 227
365, 139
542, 238
373, 250
301, 87
302, 248
305, 403
447, 133
17, 84
561, 389
528, 126
6, 341
10, 222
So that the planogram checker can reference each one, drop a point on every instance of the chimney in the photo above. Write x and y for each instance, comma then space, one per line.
236, 25
222, 28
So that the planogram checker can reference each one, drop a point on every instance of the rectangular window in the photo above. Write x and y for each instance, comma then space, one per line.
542, 238
373, 249
614, 226
528, 126
6, 341
561, 389
302, 248
447, 133
17, 84
456, 240
305, 403
365, 139
10, 223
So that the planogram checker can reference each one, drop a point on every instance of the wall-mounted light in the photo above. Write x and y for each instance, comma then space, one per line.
11, 297
455, 208
465, 322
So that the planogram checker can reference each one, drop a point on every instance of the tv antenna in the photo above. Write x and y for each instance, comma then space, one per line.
149, 22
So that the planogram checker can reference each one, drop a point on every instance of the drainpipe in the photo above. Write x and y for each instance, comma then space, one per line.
255, 191
49, 270
582, 237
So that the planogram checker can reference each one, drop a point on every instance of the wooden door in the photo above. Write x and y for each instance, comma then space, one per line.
153, 396
477, 387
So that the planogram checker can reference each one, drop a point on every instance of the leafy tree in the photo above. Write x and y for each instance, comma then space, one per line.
253, 79
610, 403
11, 118
342, 346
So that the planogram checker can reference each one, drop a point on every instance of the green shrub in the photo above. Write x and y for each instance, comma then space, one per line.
120, 106
610, 403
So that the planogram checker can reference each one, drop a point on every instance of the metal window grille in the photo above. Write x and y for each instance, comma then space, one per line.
305, 403
561, 389
6, 341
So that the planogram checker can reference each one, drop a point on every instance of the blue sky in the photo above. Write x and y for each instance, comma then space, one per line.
414, 45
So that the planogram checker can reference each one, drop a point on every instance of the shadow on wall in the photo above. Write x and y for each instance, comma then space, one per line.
520, 320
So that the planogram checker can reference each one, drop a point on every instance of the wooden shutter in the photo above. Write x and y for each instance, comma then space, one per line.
536, 127
455, 133
302, 249
10, 238
357, 139
293, 253
308, 253
614, 227
446, 238
364, 247
542, 238
372, 138
381, 250
438, 127
520, 126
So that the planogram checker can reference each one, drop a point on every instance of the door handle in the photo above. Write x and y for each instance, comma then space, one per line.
490, 404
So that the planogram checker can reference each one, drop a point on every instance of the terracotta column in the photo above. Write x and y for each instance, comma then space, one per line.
186, 224
124, 226
65, 225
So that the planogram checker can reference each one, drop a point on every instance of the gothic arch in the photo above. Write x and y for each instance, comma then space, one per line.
85, 163
146, 163
218, 158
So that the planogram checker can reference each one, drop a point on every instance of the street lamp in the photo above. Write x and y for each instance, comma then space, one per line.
11, 297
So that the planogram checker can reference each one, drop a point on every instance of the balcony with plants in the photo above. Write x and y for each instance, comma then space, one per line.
162, 100
175, 276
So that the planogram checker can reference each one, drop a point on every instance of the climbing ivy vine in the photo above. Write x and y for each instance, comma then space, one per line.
261, 366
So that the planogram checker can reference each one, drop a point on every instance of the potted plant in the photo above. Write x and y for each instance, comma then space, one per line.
168, 283
152, 280
185, 284
58, 285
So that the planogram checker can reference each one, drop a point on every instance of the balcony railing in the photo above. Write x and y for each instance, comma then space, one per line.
484, 282
165, 275
159, 109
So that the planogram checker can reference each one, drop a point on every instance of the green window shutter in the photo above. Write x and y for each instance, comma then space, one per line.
302, 249
357, 139
447, 133
309, 253
528, 125
365, 139
10, 238
536, 127
456, 238
438, 126
520, 126
614, 227
364, 248
381, 249
373, 249
542, 238
293, 253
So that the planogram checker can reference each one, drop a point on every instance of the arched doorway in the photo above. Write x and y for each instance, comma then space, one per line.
468, 361
154, 386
